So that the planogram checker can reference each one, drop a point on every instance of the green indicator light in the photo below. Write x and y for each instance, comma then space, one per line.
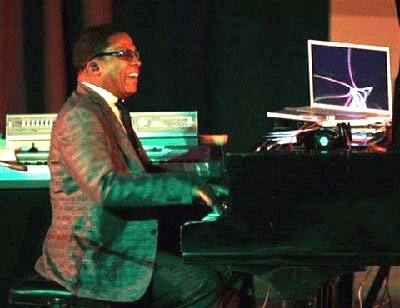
323, 141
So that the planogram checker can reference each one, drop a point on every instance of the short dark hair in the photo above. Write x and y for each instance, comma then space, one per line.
93, 40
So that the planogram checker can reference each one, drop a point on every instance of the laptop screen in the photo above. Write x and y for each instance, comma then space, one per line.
350, 77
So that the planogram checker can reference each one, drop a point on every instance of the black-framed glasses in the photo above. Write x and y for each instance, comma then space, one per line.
127, 54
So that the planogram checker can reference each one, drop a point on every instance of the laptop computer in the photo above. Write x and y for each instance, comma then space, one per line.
348, 83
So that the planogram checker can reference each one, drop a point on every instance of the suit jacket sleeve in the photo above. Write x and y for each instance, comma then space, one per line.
80, 136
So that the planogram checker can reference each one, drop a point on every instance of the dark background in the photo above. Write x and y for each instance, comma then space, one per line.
232, 61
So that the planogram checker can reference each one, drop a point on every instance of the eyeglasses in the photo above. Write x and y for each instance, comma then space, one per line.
130, 55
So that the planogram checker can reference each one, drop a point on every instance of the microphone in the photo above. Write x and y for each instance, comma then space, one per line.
13, 165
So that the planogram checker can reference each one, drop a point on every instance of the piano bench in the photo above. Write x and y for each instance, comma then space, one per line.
38, 292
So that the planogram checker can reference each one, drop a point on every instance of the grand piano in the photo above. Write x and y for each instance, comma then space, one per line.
300, 219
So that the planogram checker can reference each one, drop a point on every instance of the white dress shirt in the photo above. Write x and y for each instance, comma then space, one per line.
109, 98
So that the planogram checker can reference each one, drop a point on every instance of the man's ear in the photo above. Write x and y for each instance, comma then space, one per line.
93, 67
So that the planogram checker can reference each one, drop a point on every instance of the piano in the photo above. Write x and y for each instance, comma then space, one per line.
299, 219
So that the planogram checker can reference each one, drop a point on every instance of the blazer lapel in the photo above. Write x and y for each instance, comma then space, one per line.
110, 120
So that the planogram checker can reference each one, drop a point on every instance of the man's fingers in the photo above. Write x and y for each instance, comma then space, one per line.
203, 195
206, 199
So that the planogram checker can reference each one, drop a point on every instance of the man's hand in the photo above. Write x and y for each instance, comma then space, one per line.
221, 191
205, 194
212, 195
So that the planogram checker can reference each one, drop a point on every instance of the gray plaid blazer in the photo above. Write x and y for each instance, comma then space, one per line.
91, 247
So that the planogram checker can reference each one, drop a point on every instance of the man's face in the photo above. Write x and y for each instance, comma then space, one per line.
120, 74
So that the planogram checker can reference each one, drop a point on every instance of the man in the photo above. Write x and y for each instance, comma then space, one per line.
99, 171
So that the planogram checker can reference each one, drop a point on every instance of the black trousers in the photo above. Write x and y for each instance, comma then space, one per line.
175, 284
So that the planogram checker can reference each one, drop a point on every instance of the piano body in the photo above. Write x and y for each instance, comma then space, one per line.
299, 219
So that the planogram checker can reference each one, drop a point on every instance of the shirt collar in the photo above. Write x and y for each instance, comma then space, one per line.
106, 95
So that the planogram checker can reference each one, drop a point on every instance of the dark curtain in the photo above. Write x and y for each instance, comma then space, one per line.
232, 61
396, 101
398, 10
12, 81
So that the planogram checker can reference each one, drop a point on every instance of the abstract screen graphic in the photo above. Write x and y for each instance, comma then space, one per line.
354, 77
